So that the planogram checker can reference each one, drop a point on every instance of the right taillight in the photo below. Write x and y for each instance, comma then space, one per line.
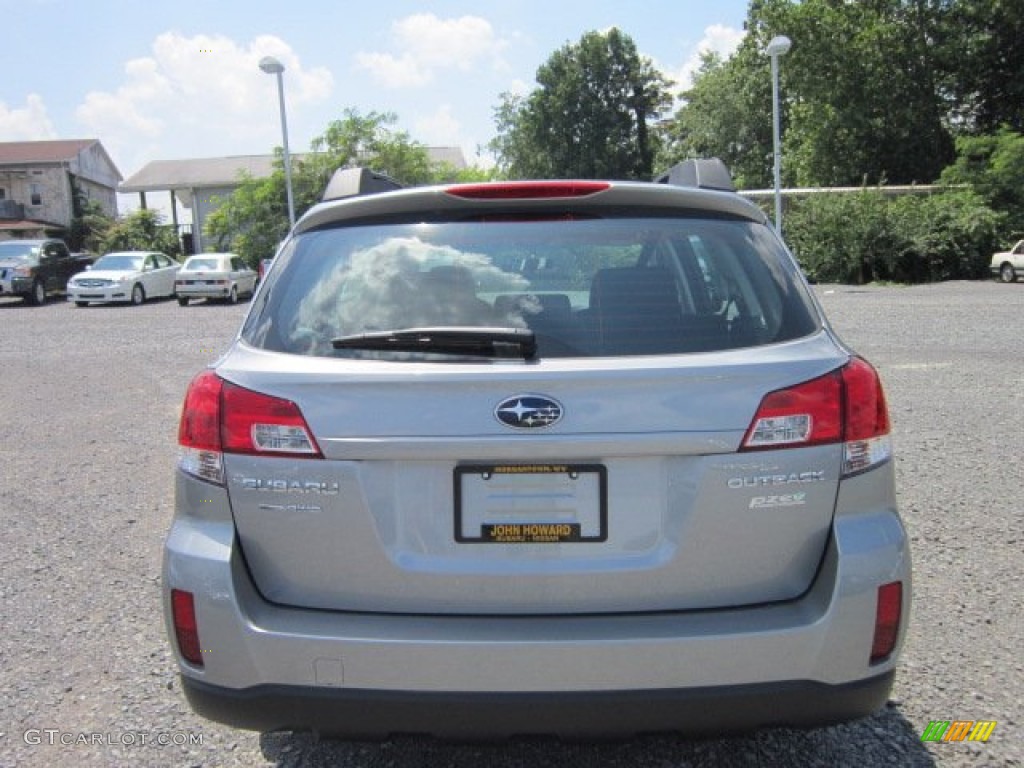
186, 629
888, 612
866, 441
220, 417
846, 405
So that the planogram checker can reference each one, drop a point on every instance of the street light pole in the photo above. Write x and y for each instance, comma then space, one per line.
272, 66
778, 46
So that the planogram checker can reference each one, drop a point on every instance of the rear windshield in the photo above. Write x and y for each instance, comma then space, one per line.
119, 261
198, 265
586, 288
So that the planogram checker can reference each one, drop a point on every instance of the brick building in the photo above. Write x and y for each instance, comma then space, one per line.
36, 182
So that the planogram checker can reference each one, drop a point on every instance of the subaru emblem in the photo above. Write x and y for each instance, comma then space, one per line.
528, 411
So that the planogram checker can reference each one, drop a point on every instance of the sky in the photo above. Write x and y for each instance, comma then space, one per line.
174, 80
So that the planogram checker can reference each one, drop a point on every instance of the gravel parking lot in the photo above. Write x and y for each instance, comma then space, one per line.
90, 399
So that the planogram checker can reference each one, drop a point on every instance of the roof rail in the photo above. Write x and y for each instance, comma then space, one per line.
703, 173
349, 182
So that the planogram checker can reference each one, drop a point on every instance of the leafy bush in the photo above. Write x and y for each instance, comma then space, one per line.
867, 236
993, 166
949, 236
141, 230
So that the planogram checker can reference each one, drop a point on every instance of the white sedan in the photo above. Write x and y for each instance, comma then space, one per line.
1009, 265
215, 276
126, 276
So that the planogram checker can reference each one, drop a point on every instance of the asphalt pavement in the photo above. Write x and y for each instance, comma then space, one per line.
90, 401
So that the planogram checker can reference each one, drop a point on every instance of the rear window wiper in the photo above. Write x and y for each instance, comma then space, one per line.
447, 340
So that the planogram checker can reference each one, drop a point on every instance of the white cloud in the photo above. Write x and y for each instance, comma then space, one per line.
719, 39
28, 123
440, 128
444, 42
205, 92
430, 45
394, 72
126, 110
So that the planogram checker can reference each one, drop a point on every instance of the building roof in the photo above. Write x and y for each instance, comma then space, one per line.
200, 173
162, 175
23, 152
27, 224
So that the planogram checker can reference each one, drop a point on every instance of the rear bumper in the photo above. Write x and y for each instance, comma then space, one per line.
202, 292
374, 714
804, 662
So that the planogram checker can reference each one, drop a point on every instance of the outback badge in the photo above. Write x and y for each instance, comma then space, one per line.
528, 411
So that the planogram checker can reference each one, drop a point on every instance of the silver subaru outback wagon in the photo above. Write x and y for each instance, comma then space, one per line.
562, 457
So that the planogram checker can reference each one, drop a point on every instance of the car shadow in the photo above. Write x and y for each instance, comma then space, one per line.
218, 302
120, 304
10, 301
885, 738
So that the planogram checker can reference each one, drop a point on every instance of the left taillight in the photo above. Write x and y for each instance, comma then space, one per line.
219, 417
844, 406
199, 429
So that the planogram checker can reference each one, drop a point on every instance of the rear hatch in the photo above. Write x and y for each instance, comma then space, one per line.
431, 462
634, 500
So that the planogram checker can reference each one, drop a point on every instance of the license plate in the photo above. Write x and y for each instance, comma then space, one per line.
530, 503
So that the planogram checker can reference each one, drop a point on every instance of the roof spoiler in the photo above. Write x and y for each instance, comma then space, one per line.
703, 173
350, 182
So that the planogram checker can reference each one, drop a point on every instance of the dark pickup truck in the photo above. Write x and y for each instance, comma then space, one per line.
33, 269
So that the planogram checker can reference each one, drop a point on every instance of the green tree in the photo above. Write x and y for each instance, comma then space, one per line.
993, 166
357, 140
89, 222
982, 50
141, 230
254, 218
590, 116
513, 145
860, 100
720, 119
